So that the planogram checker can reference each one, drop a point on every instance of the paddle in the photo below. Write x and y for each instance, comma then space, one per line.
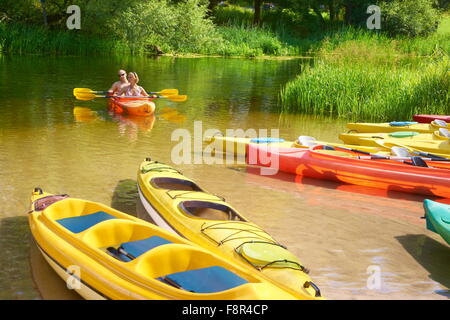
415, 160
91, 96
411, 150
165, 92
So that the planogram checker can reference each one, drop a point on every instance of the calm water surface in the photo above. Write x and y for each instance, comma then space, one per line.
338, 231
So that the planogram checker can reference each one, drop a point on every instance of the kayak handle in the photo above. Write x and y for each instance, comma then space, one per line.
308, 284
38, 190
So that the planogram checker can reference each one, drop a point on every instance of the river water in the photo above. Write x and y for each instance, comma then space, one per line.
360, 243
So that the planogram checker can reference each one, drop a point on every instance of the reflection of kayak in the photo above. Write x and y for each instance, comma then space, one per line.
435, 143
117, 256
428, 118
143, 123
331, 165
132, 106
397, 126
438, 218
178, 204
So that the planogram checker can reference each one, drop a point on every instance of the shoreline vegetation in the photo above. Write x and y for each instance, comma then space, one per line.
357, 73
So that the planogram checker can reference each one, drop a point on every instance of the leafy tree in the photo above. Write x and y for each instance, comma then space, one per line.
410, 17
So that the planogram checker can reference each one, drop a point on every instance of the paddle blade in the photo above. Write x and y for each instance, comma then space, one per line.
169, 92
78, 91
85, 96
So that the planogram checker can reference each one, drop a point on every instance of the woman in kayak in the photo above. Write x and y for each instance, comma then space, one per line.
132, 89
118, 85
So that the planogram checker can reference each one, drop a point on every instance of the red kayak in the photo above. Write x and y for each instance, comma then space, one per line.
132, 106
382, 174
427, 118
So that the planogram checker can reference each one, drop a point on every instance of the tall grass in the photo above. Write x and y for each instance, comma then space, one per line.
25, 39
361, 84
251, 42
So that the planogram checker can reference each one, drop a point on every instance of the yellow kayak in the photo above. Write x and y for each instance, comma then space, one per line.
404, 136
179, 205
434, 143
361, 127
237, 145
106, 254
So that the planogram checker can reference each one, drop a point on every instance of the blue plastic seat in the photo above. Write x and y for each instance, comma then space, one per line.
402, 123
81, 223
205, 280
266, 140
136, 248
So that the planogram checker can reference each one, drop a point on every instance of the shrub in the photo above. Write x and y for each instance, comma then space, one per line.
410, 18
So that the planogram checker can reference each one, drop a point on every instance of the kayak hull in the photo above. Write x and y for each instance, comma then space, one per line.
178, 204
238, 146
433, 143
428, 118
437, 216
362, 127
382, 174
142, 107
73, 234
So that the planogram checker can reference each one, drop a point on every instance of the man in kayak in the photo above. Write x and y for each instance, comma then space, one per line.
132, 89
118, 85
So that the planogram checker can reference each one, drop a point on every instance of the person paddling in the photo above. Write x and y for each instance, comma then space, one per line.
118, 85
132, 89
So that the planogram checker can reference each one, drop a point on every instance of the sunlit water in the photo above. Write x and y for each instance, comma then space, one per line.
340, 232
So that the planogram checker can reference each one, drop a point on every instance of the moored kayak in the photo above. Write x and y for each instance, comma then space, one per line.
438, 135
428, 118
435, 143
362, 127
132, 106
336, 166
178, 204
107, 254
437, 216
238, 145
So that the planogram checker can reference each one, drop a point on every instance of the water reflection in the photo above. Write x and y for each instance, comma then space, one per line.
432, 255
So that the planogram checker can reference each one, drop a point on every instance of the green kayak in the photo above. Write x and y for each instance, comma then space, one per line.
438, 218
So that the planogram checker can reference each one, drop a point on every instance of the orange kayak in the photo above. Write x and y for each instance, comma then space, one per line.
132, 106
382, 174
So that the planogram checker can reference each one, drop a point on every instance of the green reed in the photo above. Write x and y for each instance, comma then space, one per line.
24, 39
379, 91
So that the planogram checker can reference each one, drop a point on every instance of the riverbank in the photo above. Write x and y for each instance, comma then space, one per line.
232, 41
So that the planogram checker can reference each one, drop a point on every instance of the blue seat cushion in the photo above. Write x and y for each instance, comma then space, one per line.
81, 223
205, 280
402, 123
266, 140
136, 248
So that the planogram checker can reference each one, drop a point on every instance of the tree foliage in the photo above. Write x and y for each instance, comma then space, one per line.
410, 17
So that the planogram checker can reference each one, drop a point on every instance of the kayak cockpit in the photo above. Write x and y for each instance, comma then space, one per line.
139, 247
210, 210
174, 184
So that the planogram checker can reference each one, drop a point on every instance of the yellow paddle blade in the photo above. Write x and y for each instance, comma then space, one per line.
168, 92
177, 98
77, 91
85, 96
